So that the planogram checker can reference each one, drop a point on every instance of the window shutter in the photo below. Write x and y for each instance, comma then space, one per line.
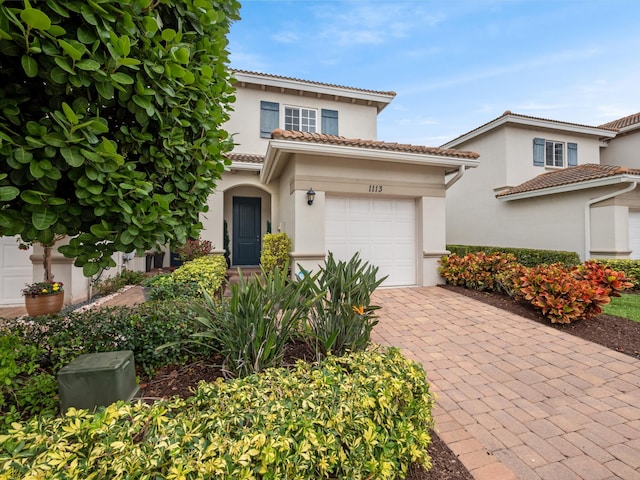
330, 122
572, 154
269, 121
538, 152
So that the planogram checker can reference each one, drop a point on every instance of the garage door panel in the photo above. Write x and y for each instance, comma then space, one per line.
16, 270
381, 230
634, 234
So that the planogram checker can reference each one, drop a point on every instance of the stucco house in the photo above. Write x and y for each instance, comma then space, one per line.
550, 184
293, 137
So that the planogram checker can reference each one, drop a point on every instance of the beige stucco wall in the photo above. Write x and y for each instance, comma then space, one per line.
353, 177
354, 121
476, 217
623, 150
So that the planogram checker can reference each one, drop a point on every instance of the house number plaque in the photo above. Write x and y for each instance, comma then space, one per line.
375, 188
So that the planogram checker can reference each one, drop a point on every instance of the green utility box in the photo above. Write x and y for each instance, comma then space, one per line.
97, 379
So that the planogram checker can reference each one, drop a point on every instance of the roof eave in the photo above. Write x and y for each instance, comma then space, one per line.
381, 99
585, 185
530, 122
246, 166
277, 148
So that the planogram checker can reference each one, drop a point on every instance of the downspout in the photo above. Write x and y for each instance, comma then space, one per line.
587, 215
455, 178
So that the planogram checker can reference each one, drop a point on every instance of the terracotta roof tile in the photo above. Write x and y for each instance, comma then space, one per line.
623, 122
568, 176
372, 144
509, 112
280, 77
245, 157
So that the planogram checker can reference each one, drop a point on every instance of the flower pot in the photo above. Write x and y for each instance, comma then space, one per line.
44, 304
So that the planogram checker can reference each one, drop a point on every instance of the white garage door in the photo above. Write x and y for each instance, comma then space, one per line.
382, 230
15, 270
634, 234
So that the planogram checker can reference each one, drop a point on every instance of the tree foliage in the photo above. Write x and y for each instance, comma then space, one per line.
110, 121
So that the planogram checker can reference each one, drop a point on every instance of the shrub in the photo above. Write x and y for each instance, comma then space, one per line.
341, 318
565, 295
478, 271
164, 287
141, 328
631, 268
25, 388
209, 271
275, 251
525, 256
193, 249
113, 284
252, 327
367, 415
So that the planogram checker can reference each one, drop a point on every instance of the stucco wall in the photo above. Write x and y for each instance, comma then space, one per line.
354, 121
476, 217
624, 150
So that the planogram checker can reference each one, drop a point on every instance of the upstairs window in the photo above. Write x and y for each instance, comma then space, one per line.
300, 119
551, 153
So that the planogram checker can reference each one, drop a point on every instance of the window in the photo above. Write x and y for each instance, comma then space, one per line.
300, 119
551, 153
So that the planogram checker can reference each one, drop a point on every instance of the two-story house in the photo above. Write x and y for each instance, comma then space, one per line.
551, 185
307, 163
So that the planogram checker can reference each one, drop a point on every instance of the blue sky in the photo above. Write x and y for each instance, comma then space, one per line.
454, 64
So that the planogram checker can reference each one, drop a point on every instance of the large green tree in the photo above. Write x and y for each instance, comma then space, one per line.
110, 121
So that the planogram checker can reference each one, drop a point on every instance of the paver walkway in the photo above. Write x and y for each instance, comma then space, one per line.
516, 399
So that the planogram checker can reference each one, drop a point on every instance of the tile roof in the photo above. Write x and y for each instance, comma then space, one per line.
623, 122
568, 176
372, 144
528, 117
311, 82
245, 157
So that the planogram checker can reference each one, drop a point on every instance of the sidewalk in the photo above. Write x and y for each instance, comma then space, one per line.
515, 399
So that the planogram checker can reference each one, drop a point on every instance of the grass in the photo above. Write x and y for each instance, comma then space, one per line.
627, 306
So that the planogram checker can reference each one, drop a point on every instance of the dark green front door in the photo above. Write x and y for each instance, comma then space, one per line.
246, 230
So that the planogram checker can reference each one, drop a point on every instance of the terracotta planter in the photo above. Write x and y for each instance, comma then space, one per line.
44, 304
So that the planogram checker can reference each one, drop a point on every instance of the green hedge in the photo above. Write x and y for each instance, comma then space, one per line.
631, 268
367, 415
524, 256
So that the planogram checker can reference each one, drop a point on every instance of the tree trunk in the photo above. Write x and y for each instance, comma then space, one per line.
46, 263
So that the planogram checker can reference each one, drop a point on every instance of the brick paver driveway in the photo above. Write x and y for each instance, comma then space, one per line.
516, 399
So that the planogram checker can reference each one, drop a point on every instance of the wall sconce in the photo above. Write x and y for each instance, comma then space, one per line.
311, 195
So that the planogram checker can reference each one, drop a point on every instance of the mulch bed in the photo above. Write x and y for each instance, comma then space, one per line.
617, 333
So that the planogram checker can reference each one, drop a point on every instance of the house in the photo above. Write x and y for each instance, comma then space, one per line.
550, 184
307, 163
294, 137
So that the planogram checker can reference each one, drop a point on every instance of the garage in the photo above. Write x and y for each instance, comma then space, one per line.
15, 270
383, 230
634, 234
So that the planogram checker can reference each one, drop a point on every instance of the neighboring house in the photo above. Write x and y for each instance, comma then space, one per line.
384, 200
550, 185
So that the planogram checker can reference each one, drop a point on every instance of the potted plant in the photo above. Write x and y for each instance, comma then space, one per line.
43, 298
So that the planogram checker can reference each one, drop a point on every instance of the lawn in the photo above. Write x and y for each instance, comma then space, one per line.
627, 306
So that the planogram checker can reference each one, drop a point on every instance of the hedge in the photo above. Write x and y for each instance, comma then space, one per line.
366, 415
524, 256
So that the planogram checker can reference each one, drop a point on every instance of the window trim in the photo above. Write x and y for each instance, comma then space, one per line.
569, 153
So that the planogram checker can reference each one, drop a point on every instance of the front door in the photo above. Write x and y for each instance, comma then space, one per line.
246, 230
